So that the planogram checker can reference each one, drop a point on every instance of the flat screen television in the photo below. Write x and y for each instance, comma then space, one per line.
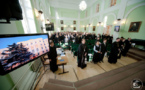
117, 28
18, 50
49, 27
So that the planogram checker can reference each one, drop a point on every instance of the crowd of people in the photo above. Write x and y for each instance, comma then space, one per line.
118, 48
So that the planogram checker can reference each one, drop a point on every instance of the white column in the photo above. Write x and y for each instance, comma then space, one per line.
57, 20
78, 22
101, 15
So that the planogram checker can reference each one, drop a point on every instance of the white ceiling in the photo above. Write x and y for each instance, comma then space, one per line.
70, 4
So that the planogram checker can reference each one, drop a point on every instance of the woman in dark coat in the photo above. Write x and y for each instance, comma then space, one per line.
52, 55
114, 52
97, 52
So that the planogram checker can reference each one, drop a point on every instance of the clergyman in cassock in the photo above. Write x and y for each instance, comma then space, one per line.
114, 52
52, 55
127, 46
82, 54
97, 52
103, 48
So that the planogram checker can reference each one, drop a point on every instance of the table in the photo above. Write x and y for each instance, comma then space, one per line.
60, 51
62, 63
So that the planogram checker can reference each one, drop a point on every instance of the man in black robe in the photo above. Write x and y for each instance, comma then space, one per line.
114, 52
82, 54
56, 39
77, 39
103, 36
80, 39
103, 48
127, 46
93, 36
121, 47
52, 55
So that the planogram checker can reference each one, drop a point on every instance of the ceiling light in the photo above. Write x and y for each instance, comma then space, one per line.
83, 5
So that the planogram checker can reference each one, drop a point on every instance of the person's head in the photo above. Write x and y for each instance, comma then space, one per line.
83, 41
117, 39
105, 40
51, 43
129, 39
134, 24
97, 42
123, 40
98, 38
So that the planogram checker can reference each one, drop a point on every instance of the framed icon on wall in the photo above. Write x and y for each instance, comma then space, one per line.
85, 28
74, 28
61, 21
62, 28
74, 22
134, 26
94, 28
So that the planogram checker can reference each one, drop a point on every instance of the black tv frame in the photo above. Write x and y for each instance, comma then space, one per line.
2, 71
52, 26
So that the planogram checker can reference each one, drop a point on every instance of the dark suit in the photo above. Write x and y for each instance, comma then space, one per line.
53, 56
103, 50
126, 48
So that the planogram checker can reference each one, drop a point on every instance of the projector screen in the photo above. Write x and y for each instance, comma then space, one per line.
17, 50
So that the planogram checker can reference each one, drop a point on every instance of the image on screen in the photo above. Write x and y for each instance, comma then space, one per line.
117, 28
16, 51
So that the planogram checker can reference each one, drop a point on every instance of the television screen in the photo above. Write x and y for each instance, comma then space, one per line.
117, 28
17, 50
49, 27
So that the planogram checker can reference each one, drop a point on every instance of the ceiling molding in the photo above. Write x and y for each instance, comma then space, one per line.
69, 4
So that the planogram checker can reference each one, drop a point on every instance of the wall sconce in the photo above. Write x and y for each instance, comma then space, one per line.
64, 26
123, 21
72, 26
119, 19
99, 24
91, 25
39, 14
115, 22
47, 21
87, 26
36, 13
83, 26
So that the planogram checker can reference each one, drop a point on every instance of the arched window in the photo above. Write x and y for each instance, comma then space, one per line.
86, 13
97, 8
113, 3
105, 21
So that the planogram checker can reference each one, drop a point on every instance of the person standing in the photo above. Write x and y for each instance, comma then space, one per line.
52, 55
114, 52
56, 39
121, 47
103, 48
127, 46
82, 54
97, 52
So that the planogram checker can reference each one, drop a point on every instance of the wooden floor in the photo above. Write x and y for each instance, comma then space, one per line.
76, 73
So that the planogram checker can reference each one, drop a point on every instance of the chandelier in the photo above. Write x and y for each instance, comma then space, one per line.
83, 5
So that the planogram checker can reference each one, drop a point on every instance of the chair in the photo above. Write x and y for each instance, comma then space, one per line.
45, 61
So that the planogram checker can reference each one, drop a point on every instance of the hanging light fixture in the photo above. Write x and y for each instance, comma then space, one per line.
83, 5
